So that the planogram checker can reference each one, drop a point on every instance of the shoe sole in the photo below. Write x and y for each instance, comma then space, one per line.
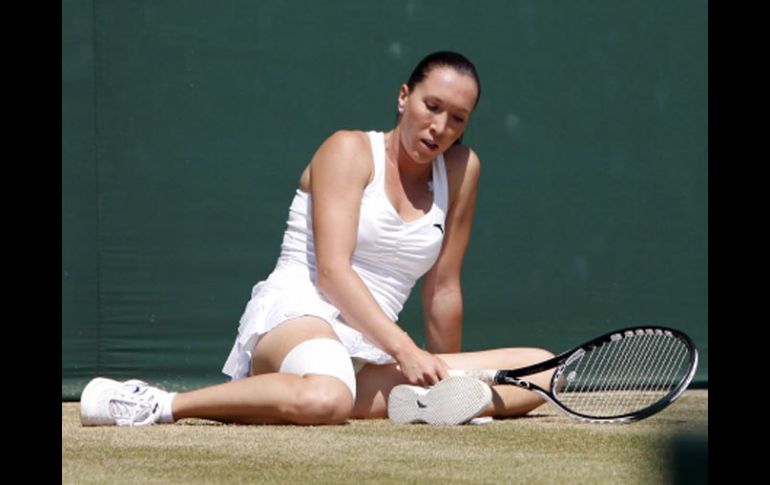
454, 400
87, 413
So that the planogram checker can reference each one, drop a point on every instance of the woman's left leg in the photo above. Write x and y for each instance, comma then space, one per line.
374, 382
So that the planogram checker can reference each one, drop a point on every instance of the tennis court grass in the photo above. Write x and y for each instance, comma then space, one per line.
542, 448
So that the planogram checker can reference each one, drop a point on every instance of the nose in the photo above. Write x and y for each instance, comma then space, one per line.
439, 124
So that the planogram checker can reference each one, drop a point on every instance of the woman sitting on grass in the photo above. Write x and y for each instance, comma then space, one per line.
318, 342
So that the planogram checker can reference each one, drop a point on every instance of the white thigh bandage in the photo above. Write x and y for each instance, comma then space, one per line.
322, 356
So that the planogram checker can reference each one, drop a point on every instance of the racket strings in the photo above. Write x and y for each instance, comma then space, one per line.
639, 381
624, 375
606, 376
597, 377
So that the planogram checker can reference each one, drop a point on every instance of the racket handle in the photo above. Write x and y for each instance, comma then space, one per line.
484, 375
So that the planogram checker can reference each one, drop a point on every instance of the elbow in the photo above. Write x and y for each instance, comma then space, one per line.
448, 291
324, 276
327, 276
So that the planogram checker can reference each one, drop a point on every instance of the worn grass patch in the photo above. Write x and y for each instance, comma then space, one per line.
544, 447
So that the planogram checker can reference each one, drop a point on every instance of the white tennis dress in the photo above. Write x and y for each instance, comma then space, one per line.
390, 256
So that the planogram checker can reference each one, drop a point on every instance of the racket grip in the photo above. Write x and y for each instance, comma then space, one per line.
484, 375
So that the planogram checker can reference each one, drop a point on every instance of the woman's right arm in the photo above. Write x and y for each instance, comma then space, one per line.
339, 173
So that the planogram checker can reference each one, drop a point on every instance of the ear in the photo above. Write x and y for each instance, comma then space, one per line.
403, 94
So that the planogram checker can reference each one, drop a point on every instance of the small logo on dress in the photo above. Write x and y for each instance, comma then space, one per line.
439, 228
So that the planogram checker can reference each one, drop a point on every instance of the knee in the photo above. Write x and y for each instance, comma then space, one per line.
322, 400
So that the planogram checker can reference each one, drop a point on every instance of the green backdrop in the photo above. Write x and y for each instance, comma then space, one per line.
186, 124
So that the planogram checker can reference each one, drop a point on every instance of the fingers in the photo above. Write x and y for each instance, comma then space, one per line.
428, 380
424, 369
435, 371
443, 371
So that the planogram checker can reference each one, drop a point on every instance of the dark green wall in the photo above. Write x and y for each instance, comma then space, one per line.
185, 126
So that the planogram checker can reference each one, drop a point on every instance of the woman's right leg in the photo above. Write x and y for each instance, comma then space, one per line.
270, 396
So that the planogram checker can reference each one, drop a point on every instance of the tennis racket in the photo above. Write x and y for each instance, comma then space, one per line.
620, 377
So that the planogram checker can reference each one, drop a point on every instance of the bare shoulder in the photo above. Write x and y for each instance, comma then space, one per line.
343, 152
346, 143
463, 166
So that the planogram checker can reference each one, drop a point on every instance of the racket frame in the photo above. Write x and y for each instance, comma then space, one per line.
559, 362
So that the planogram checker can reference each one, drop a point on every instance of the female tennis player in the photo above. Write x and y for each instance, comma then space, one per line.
318, 342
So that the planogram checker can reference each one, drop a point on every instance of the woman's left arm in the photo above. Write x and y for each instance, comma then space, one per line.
442, 298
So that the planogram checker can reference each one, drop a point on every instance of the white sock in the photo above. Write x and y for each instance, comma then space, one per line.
166, 416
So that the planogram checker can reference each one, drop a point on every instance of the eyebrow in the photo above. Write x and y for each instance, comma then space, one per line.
441, 100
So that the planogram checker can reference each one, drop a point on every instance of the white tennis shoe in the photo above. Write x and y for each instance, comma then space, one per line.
455, 400
106, 402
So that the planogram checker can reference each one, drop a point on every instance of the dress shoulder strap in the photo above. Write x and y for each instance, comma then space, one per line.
440, 183
377, 141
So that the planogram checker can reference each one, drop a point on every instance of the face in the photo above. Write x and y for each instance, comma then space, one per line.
435, 112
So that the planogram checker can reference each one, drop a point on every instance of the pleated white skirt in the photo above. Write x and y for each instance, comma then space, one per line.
289, 292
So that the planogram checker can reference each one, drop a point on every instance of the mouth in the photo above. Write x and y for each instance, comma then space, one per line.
429, 145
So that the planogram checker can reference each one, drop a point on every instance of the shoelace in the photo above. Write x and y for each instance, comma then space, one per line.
132, 405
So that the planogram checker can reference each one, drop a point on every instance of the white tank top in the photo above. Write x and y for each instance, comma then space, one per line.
390, 254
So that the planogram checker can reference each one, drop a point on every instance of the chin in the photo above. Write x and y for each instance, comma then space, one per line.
421, 156
418, 152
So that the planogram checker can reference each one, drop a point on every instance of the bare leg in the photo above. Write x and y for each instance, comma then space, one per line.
271, 396
374, 382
